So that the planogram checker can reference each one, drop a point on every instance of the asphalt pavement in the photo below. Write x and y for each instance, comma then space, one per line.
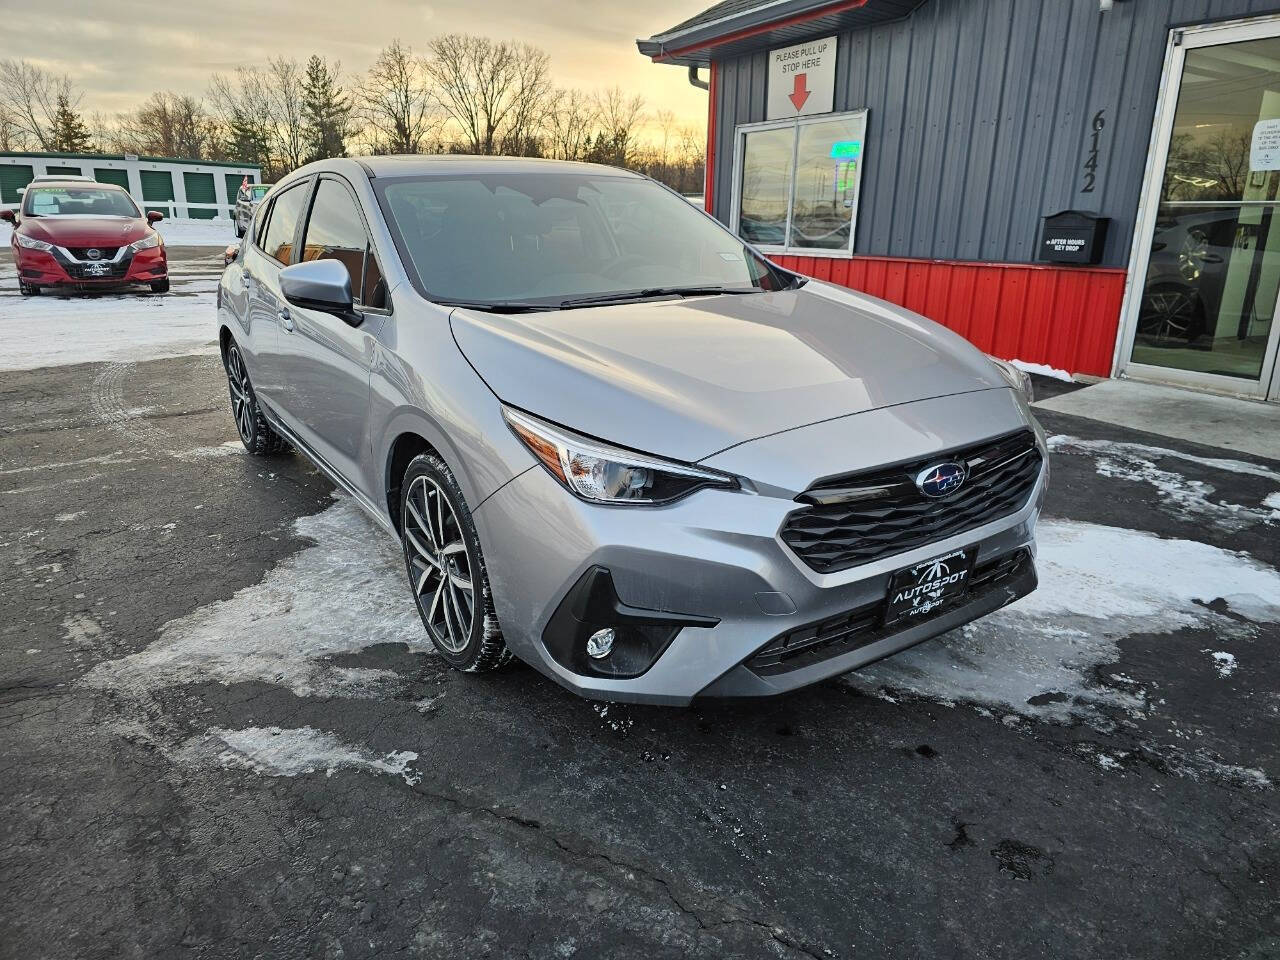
222, 736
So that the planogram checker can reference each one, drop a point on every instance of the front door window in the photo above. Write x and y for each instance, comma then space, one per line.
1209, 298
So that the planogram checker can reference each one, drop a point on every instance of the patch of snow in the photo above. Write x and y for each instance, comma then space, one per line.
1067, 444
183, 232
49, 331
1179, 495
1038, 657
230, 448
81, 630
1043, 370
68, 517
1272, 502
1225, 663
337, 597
277, 752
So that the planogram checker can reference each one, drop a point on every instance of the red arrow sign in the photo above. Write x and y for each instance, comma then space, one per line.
800, 92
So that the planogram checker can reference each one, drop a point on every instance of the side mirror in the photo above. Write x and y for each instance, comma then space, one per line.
154, 216
7, 216
229, 255
322, 285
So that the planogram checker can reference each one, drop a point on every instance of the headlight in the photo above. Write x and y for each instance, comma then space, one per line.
602, 473
1018, 379
146, 243
31, 243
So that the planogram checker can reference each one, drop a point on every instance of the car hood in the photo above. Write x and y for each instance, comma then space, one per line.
688, 378
86, 231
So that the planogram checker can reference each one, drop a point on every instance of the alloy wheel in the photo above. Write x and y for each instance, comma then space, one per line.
439, 565
241, 394
1167, 314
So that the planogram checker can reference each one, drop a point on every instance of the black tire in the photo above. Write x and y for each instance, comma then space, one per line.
255, 433
479, 648
160, 286
239, 231
28, 290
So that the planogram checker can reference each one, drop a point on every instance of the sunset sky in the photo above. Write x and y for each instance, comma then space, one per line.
119, 52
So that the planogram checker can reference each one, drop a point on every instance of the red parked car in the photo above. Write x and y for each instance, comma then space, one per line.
85, 236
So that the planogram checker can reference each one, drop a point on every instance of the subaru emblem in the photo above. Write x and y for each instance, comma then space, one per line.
940, 479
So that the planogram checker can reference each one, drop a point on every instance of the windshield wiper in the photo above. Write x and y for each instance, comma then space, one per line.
499, 306
646, 294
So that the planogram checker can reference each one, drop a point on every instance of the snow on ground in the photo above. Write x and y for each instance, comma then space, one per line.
345, 593
1225, 663
1043, 370
1038, 658
49, 331
342, 594
1180, 496
276, 752
197, 233
178, 231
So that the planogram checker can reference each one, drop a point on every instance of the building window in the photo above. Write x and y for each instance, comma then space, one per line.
796, 183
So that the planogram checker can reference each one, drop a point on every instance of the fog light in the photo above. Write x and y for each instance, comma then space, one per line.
600, 644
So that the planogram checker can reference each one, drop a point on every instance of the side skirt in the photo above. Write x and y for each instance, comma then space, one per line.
365, 503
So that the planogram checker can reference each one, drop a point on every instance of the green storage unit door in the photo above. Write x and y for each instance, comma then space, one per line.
157, 185
200, 190
64, 171
105, 175
13, 177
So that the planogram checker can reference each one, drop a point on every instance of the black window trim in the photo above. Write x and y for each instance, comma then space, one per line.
370, 249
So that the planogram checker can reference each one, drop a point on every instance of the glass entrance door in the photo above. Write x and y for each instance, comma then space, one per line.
1206, 312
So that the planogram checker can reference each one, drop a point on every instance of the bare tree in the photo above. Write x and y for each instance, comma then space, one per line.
620, 117
169, 125
395, 102
495, 92
570, 123
11, 137
29, 100
285, 99
243, 109
102, 131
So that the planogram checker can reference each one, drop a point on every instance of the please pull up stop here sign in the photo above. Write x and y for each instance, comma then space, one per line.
802, 79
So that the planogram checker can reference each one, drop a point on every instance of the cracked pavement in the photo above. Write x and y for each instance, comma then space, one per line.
846, 820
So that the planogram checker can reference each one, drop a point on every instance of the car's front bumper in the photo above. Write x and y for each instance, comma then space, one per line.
718, 555
42, 268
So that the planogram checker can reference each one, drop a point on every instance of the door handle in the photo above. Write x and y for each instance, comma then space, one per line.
286, 321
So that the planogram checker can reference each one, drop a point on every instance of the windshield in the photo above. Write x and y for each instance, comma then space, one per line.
87, 201
548, 238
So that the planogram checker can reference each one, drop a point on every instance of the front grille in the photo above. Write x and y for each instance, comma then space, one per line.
79, 271
856, 519
863, 626
82, 253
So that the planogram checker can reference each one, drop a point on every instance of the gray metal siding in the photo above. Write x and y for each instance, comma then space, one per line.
980, 118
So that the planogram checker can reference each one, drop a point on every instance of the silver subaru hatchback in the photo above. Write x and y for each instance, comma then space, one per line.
615, 441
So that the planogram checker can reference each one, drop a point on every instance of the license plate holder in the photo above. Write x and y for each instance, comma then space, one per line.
924, 588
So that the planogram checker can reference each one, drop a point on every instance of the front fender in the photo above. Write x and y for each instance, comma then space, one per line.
425, 387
